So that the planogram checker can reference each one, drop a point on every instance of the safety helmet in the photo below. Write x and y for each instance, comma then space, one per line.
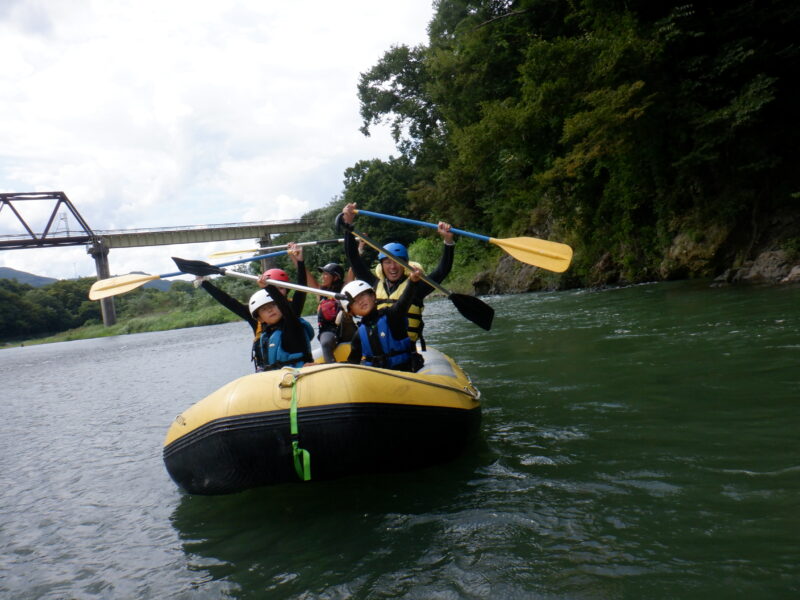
352, 290
332, 268
259, 299
396, 249
277, 275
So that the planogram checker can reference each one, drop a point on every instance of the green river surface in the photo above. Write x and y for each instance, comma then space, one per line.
640, 442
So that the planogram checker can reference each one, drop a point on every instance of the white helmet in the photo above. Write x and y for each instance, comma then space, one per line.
257, 300
353, 289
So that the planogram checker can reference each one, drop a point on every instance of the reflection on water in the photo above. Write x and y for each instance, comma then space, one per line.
282, 538
637, 442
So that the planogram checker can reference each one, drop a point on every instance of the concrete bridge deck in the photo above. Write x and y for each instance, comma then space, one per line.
158, 236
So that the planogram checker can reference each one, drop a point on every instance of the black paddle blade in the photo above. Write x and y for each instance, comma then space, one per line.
197, 267
474, 309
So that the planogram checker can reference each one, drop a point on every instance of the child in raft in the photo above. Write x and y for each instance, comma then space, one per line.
382, 336
283, 339
333, 324
243, 311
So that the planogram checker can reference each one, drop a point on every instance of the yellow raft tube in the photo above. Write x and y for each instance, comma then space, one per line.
322, 422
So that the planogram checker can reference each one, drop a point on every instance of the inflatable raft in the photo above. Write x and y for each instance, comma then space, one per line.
322, 422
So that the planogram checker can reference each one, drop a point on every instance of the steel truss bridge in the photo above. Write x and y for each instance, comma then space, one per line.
99, 242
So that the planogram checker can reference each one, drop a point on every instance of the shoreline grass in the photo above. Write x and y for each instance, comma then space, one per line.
212, 315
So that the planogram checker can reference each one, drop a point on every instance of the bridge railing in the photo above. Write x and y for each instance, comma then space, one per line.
271, 224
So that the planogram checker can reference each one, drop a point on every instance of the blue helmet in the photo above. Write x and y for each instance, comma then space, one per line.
395, 248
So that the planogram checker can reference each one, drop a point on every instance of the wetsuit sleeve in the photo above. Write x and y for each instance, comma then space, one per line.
397, 314
231, 303
294, 336
441, 271
299, 298
360, 268
355, 350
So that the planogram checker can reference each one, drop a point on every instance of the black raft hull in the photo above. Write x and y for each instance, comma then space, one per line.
349, 419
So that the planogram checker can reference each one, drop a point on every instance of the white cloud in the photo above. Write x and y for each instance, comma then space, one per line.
149, 113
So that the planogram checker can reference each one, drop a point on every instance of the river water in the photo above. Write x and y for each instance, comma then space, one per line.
639, 442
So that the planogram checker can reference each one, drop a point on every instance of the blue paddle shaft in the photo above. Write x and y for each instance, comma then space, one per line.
233, 262
477, 236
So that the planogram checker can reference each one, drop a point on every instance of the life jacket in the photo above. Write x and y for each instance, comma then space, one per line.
380, 349
326, 315
269, 354
385, 300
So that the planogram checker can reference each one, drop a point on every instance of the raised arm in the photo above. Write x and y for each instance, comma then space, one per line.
296, 255
446, 261
445, 265
294, 339
360, 269
231, 303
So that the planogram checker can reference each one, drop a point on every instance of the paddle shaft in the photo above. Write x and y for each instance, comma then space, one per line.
470, 307
292, 286
301, 244
112, 286
369, 213
103, 288
484, 238
231, 262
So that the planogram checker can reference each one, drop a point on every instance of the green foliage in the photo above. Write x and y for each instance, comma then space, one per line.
470, 257
63, 306
603, 124
376, 185
792, 247
29, 311
394, 91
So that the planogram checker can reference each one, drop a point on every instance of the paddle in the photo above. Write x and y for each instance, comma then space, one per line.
201, 269
552, 256
114, 286
232, 252
471, 307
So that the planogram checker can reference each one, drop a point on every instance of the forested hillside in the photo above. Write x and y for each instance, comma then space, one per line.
656, 138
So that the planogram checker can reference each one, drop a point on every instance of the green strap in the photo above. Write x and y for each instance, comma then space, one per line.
301, 465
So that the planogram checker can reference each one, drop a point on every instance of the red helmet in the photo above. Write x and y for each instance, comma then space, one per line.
277, 275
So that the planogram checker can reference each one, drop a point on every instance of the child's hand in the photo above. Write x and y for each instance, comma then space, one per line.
295, 252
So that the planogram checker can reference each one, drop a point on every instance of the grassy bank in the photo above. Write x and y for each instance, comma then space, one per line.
177, 319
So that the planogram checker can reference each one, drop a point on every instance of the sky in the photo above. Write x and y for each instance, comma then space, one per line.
148, 113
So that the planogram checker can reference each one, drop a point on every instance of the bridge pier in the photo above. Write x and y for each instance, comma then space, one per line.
99, 252
266, 242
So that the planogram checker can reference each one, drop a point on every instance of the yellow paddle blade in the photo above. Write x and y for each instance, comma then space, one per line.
114, 286
233, 252
552, 256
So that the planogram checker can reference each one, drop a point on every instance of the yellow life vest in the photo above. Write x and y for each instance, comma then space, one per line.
385, 300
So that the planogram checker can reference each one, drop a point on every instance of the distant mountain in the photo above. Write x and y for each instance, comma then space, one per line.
158, 284
39, 281
23, 277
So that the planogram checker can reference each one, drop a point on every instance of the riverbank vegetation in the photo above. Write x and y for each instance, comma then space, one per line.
61, 311
657, 139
